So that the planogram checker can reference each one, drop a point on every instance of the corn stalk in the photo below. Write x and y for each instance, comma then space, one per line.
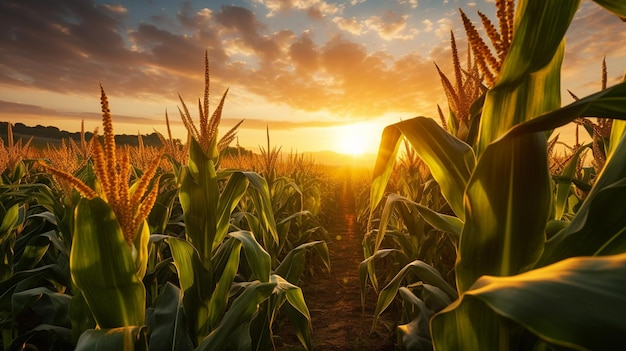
500, 190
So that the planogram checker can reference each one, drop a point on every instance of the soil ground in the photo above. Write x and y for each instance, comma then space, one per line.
334, 300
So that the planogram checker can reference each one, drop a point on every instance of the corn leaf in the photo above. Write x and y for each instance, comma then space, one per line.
366, 267
449, 159
608, 103
194, 284
295, 309
257, 257
262, 202
228, 200
115, 339
199, 198
445, 223
508, 202
166, 320
564, 184
541, 301
102, 267
425, 272
293, 264
530, 70
49, 307
243, 309
616, 6
416, 334
592, 228
219, 297
34, 251
508, 198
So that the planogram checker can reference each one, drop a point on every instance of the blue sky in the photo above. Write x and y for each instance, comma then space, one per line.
305, 68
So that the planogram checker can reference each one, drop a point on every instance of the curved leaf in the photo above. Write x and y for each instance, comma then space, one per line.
194, 284
577, 303
228, 200
243, 309
450, 160
445, 223
126, 338
508, 203
103, 269
531, 68
425, 273
168, 327
258, 258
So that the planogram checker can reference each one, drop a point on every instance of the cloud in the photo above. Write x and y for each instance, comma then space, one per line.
428, 24
351, 25
389, 26
116, 8
315, 9
412, 3
444, 26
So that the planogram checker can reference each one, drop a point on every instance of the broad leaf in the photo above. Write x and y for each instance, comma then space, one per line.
531, 69
577, 303
445, 223
115, 339
424, 272
508, 202
243, 309
103, 268
167, 323
450, 160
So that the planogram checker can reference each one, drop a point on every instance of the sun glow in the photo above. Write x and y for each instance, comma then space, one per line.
356, 139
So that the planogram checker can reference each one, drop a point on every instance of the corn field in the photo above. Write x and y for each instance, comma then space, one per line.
476, 233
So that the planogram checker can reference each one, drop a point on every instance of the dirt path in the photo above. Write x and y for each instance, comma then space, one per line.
334, 300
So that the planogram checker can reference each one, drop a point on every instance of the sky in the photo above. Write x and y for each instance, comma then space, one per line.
320, 74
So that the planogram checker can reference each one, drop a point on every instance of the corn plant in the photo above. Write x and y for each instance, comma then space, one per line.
229, 291
514, 287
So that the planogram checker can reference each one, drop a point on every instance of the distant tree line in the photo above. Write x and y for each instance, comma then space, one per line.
43, 136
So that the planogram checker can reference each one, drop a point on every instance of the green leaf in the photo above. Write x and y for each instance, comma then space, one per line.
228, 200
257, 257
295, 309
615, 6
139, 249
293, 264
166, 320
9, 221
34, 251
192, 276
114, 339
531, 69
366, 267
445, 223
541, 301
199, 196
49, 306
103, 268
599, 225
220, 295
508, 202
564, 183
450, 160
608, 103
263, 204
416, 334
243, 309
424, 272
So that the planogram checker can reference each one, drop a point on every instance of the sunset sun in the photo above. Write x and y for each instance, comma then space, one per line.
356, 139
